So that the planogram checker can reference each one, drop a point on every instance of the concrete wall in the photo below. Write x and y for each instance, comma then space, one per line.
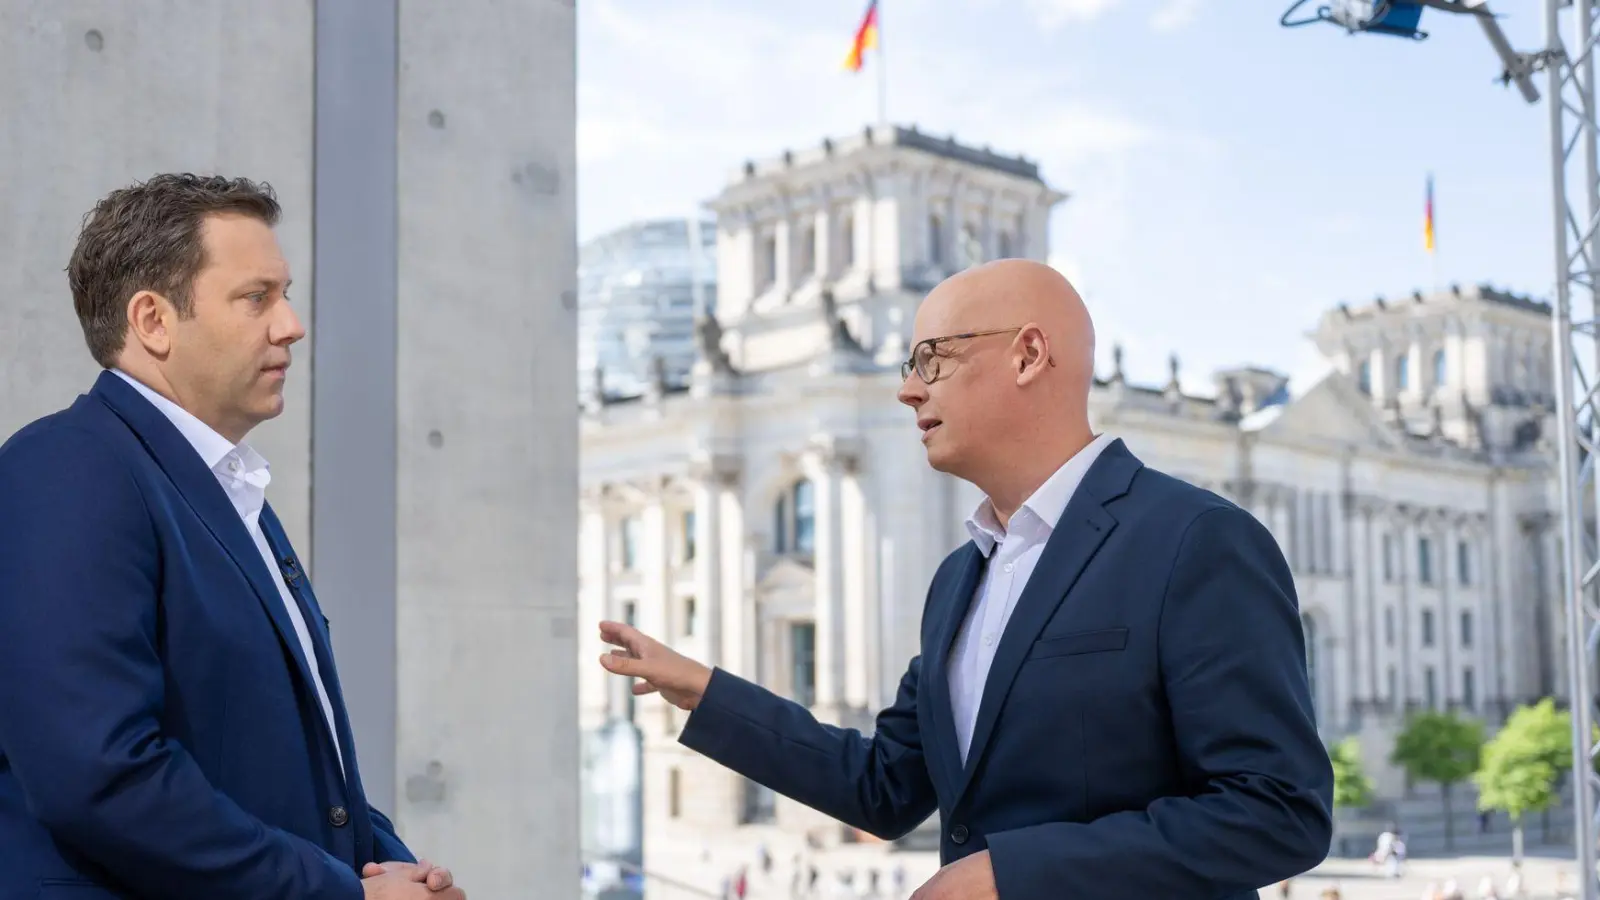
443, 543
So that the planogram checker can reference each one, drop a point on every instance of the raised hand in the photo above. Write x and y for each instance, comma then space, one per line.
681, 680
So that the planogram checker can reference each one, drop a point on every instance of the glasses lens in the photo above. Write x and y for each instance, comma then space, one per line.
927, 363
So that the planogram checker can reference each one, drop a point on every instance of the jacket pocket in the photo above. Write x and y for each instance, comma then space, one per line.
1101, 641
71, 889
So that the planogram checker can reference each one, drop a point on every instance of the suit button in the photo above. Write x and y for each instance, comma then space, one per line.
338, 816
958, 834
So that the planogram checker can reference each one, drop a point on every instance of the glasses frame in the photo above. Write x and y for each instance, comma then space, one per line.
910, 365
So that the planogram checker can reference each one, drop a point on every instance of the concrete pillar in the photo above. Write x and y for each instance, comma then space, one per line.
825, 468
711, 479
425, 465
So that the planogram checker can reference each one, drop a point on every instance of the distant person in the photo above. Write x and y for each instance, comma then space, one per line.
171, 724
1111, 699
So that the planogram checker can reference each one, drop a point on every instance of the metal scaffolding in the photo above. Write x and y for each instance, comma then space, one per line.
1567, 61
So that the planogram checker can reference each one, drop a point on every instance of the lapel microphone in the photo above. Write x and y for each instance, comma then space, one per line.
291, 570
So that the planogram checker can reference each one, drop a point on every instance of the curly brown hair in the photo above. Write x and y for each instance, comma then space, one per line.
147, 238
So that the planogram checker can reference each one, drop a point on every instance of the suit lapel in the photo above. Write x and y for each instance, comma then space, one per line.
1078, 536
200, 489
956, 595
299, 584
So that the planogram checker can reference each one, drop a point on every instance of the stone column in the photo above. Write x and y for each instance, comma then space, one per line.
823, 227
825, 465
607, 698
711, 477
1443, 536
655, 580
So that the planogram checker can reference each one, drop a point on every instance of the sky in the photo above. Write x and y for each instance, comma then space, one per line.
1229, 179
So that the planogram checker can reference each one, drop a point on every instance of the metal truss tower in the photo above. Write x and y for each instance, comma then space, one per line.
1568, 63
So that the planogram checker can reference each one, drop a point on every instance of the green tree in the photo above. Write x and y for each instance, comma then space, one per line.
1442, 748
1525, 763
1516, 782
1352, 789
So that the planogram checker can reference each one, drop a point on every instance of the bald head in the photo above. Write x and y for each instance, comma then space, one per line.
1003, 355
1014, 293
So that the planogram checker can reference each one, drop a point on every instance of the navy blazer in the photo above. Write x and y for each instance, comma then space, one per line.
1146, 729
160, 736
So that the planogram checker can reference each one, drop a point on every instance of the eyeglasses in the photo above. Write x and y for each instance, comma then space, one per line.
924, 359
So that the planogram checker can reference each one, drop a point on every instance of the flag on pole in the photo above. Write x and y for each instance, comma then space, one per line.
866, 38
1427, 221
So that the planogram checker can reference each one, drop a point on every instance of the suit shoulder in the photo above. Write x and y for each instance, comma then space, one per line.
1188, 501
62, 450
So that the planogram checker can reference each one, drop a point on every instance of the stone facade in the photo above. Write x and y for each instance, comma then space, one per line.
778, 517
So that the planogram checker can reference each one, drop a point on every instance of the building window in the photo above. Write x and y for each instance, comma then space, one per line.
1364, 376
690, 617
780, 524
795, 519
1388, 626
1464, 563
1394, 686
1469, 690
1427, 628
1308, 627
847, 240
630, 616
688, 536
674, 792
630, 543
935, 240
1402, 372
1466, 628
1438, 369
1388, 557
1430, 686
808, 251
767, 263
803, 662
1424, 561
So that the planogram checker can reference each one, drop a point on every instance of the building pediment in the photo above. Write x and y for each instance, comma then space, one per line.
1333, 410
788, 573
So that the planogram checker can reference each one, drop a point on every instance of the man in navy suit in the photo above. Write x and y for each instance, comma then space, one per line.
1111, 699
171, 724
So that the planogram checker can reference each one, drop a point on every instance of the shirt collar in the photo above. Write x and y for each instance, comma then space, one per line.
212, 447
1038, 514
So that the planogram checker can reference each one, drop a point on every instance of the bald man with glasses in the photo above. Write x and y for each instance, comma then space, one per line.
1111, 699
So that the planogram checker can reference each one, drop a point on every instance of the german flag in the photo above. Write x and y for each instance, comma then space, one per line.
866, 38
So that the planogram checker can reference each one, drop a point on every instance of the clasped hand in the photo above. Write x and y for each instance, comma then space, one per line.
400, 880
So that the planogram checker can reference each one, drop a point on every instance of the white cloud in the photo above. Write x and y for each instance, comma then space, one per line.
1052, 14
1175, 14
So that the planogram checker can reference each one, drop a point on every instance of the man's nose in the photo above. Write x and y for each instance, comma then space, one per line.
912, 391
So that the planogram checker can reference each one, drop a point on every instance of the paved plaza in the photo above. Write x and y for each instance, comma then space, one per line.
692, 867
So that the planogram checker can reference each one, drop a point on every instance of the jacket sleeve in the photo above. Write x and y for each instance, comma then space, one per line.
1232, 658
387, 844
879, 784
82, 691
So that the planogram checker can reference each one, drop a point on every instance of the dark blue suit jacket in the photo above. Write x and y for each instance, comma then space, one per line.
160, 736
1146, 729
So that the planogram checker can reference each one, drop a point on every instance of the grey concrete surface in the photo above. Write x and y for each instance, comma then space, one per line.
465, 701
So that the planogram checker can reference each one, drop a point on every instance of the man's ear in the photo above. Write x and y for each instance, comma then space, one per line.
150, 317
1033, 353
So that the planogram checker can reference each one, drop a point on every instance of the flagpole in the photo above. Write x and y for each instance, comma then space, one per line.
883, 73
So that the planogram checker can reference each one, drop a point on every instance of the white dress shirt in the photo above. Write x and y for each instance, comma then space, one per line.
1006, 575
244, 476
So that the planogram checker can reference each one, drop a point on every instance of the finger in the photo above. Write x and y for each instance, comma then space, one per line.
640, 688
420, 873
371, 870
621, 664
439, 879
